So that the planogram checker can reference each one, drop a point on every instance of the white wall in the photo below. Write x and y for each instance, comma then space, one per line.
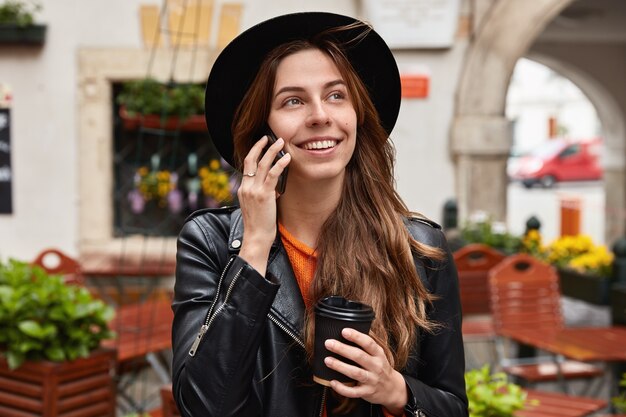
44, 152
44, 123
424, 169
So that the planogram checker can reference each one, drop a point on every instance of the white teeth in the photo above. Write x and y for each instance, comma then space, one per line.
322, 144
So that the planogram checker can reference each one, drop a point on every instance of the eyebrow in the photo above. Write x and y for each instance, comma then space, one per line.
300, 89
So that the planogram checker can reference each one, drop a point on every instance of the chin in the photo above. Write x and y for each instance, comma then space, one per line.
327, 175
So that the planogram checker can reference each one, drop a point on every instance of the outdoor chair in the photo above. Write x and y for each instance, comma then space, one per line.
552, 404
525, 295
473, 263
53, 261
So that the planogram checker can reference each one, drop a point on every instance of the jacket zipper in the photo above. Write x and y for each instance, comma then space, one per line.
210, 316
286, 330
301, 343
323, 402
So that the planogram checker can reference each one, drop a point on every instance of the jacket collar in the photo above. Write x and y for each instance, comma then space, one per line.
288, 306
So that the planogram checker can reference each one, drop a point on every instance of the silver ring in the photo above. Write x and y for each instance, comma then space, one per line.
250, 174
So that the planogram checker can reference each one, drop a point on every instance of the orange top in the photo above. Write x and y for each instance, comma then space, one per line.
303, 261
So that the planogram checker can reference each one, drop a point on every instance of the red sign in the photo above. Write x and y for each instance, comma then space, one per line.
415, 85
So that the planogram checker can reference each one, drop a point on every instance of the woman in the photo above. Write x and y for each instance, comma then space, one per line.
247, 278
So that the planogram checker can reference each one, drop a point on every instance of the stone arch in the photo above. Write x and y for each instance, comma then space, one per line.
614, 132
481, 136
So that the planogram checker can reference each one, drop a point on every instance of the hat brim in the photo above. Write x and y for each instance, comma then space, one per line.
237, 65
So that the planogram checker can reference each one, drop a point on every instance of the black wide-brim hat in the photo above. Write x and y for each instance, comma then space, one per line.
237, 65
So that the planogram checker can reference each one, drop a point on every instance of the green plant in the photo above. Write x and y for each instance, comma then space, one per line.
18, 12
619, 402
491, 395
482, 229
42, 318
149, 96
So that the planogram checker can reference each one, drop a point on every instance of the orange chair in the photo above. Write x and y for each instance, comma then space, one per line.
525, 294
53, 261
473, 263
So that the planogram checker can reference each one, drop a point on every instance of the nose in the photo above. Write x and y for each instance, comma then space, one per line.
318, 114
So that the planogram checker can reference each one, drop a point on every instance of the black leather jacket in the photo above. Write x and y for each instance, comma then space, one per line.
237, 337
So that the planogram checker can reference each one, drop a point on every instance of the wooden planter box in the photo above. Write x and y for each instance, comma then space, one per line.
80, 388
194, 123
589, 288
34, 35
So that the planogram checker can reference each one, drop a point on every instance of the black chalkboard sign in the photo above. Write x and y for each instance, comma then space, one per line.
6, 201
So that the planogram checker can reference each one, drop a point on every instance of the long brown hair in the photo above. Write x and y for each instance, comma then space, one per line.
365, 251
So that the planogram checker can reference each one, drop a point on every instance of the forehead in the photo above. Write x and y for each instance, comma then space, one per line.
306, 66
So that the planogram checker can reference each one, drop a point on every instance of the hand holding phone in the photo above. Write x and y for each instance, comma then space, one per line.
282, 179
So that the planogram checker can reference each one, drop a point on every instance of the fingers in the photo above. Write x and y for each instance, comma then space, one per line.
250, 162
259, 169
367, 356
365, 342
370, 367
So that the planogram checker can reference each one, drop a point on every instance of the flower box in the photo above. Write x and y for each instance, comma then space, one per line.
80, 388
12, 34
585, 287
193, 123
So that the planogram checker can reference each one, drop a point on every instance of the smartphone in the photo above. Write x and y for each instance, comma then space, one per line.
282, 179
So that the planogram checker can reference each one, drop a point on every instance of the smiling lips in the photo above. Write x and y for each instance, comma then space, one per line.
320, 144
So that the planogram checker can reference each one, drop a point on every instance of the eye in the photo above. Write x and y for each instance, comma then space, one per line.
336, 95
292, 101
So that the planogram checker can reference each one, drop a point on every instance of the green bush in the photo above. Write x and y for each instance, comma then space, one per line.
491, 395
18, 13
490, 233
149, 96
42, 318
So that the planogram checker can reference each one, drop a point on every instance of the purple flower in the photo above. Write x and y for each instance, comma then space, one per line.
175, 201
137, 202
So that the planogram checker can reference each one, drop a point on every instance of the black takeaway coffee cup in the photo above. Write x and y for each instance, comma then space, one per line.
332, 314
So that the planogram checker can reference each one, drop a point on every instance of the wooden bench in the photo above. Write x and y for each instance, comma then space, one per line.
554, 404
56, 262
525, 295
473, 263
141, 329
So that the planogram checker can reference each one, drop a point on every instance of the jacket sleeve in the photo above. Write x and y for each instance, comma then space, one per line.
438, 389
229, 300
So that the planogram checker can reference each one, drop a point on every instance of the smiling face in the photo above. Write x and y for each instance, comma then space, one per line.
311, 109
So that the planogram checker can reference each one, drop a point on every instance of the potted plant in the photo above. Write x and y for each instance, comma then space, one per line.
17, 23
150, 103
50, 359
481, 228
491, 395
585, 269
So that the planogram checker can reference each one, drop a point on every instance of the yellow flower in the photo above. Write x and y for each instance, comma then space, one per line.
214, 165
215, 182
154, 185
580, 253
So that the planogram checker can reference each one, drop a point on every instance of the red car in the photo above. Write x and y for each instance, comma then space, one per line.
560, 160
